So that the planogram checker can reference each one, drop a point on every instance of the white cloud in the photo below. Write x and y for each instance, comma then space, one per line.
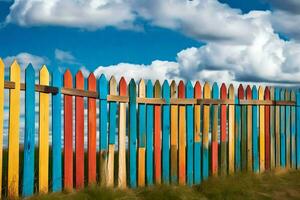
24, 59
64, 56
88, 14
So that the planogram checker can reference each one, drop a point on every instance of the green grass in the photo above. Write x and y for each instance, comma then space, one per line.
271, 185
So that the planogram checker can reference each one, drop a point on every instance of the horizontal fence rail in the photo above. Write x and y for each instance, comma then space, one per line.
147, 133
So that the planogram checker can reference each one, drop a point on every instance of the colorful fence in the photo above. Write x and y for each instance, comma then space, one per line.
167, 134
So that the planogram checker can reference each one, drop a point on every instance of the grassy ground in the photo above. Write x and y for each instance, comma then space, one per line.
270, 185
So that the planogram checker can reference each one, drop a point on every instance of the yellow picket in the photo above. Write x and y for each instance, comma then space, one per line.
231, 138
174, 134
261, 130
13, 133
1, 116
44, 133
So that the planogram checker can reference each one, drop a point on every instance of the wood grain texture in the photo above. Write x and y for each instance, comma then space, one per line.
68, 133
249, 130
13, 132
103, 91
293, 131
277, 129
214, 140
174, 135
182, 137
261, 131
223, 131
92, 127
288, 129
267, 130
272, 130
79, 133
142, 136
28, 166
166, 133
240, 133
132, 134
231, 136
1, 117
255, 138
206, 121
197, 135
122, 136
282, 132
157, 135
149, 135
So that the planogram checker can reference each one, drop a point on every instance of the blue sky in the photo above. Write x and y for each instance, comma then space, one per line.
174, 39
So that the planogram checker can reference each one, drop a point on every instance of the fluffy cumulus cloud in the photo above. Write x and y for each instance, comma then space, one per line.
24, 59
239, 47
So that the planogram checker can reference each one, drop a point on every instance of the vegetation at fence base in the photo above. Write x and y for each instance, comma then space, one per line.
278, 184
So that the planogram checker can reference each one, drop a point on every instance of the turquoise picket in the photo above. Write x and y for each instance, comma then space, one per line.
277, 153
149, 135
132, 134
282, 130
298, 128
166, 133
189, 133
288, 129
238, 132
103, 91
197, 144
255, 132
28, 170
293, 132
56, 133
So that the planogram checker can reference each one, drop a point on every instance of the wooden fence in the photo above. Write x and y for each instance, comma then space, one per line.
176, 134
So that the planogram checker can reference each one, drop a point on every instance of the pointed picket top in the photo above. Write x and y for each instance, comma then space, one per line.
241, 92
206, 91
142, 88
102, 87
254, 92
260, 92
29, 69
166, 91
79, 80
181, 90
1, 64
287, 95
215, 91
132, 91
293, 95
223, 93
44, 75
231, 92
113, 86
282, 94
248, 92
197, 90
267, 93
272, 93
92, 82
189, 90
122, 87
15, 65
68, 79
276, 94
157, 89
173, 89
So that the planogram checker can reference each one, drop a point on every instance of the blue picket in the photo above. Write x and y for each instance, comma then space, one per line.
197, 139
282, 131
277, 132
56, 133
189, 133
103, 91
28, 170
166, 133
287, 129
132, 134
149, 135
255, 132
238, 133
293, 132
298, 129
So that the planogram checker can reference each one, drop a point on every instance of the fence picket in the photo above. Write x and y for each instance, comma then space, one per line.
13, 132
142, 135
288, 129
79, 132
132, 133
174, 135
272, 130
92, 117
282, 131
223, 131
255, 156
267, 130
28, 163
206, 121
182, 137
293, 131
261, 131
214, 125
298, 128
149, 135
122, 136
231, 137
241, 137
249, 130
166, 133
2, 70
197, 135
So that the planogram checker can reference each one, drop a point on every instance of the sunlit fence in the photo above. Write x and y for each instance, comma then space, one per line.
147, 134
